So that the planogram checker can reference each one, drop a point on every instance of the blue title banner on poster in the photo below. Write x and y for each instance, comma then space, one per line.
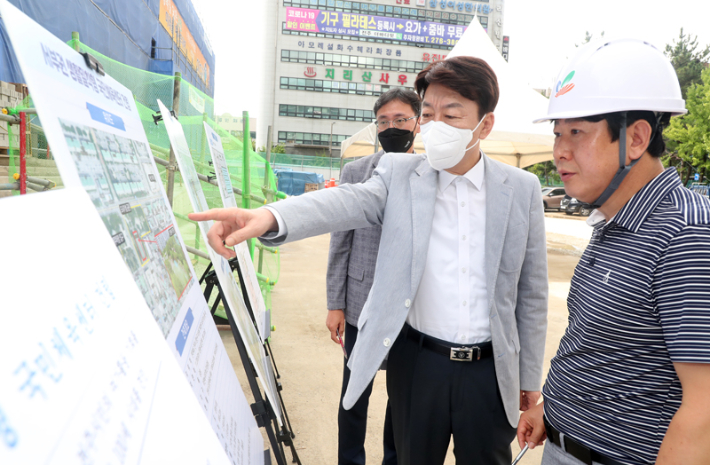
103, 116
184, 332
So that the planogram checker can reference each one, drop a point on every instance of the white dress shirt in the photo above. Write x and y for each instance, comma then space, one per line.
452, 299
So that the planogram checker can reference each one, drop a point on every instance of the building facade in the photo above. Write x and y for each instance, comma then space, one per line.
328, 61
235, 124
161, 36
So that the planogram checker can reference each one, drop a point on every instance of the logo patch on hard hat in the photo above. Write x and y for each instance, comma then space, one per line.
562, 86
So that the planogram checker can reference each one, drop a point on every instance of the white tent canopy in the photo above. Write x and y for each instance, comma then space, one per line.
360, 144
515, 140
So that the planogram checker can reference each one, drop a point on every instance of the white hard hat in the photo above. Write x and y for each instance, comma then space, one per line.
613, 76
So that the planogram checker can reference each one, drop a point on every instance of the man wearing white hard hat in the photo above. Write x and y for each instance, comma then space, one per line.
628, 384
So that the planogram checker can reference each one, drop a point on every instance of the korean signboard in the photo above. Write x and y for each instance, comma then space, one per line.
380, 27
454, 5
172, 21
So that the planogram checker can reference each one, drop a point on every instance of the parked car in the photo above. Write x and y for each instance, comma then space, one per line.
570, 205
552, 196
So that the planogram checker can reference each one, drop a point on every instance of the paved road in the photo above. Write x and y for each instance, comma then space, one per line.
568, 227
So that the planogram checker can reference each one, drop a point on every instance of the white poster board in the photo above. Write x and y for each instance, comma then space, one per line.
232, 293
242, 250
97, 139
86, 375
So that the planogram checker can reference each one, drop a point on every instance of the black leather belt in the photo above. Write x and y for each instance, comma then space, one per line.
575, 449
458, 353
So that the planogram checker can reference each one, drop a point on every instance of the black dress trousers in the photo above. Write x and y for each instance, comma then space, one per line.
352, 424
433, 398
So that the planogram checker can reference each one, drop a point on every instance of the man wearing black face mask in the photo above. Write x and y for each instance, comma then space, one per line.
351, 268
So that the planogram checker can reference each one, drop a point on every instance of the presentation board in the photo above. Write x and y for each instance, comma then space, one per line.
242, 250
97, 139
86, 375
230, 288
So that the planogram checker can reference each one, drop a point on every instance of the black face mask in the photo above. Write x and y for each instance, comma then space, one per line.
396, 140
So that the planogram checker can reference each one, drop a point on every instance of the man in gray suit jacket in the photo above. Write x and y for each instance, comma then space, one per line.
351, 270
459, 299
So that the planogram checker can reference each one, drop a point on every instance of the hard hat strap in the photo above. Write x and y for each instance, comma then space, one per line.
623, 167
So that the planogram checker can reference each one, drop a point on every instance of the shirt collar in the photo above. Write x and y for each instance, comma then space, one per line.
596, 218
475, 175
644, 202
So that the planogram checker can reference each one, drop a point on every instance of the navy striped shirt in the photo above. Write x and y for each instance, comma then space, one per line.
639, 301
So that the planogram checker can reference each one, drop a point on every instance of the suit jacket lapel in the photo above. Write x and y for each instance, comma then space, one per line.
499, 198
423, 185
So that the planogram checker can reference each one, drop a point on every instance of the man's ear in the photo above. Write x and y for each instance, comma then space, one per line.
638, 137
488, 125
418, 127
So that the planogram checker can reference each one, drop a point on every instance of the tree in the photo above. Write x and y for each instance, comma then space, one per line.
546, 172
687, 60
280, 148
689, 135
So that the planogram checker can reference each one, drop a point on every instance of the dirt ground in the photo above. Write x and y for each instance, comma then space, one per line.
310, 364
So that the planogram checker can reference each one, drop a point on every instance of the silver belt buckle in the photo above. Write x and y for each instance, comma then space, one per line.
464, 354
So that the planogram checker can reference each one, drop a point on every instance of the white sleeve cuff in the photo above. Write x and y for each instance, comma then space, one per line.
282, 227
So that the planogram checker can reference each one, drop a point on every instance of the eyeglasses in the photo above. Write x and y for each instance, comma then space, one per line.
398, 123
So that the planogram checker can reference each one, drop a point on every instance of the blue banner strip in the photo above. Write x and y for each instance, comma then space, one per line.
105, 117
184, 331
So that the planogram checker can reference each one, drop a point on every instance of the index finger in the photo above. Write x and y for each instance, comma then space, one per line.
214, 239
215, 214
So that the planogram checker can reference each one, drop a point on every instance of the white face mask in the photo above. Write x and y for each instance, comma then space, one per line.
446, 145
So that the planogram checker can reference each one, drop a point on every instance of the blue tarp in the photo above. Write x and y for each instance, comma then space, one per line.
120, 29
294, 182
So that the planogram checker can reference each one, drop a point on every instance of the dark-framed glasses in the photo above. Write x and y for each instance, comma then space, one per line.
397, 123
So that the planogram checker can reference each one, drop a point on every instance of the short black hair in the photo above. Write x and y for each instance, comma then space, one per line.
656, 146
471, 77
406, 96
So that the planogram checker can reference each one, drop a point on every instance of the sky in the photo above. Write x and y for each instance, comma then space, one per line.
543, 34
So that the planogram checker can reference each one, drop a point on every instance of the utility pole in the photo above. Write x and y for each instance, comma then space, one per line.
172, 164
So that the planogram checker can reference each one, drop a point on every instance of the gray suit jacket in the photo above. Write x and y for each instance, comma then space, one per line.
352, 257
401, 197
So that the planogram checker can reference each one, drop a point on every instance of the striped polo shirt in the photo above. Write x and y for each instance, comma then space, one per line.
639, 301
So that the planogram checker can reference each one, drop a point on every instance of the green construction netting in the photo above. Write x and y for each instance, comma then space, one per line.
195, 108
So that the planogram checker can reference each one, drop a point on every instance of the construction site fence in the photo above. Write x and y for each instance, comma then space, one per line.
327, 166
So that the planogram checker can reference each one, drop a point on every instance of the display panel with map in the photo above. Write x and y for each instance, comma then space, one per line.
232, 293
90, 380
242, 250
98, 142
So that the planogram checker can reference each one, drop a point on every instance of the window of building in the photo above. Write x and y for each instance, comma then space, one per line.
334, 59
309, 138
334, 86
343, 114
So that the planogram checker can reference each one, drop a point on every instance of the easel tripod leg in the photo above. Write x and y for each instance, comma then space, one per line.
263, 410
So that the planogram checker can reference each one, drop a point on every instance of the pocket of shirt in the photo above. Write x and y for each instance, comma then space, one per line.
356, 272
